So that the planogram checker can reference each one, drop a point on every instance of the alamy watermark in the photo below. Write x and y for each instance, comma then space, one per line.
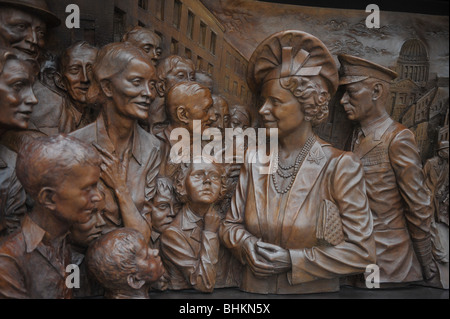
372, 276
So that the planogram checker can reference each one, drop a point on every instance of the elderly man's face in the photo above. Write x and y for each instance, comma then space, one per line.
78, 72
16, 94
22, 31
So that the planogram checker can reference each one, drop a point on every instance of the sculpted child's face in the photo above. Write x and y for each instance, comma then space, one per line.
203, 184
149, 264
164, 208
75, 198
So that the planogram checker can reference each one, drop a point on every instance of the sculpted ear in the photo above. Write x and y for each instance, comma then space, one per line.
182, 114
161, 88
134, 282
59, 82
378, 90
46, 198
106, 87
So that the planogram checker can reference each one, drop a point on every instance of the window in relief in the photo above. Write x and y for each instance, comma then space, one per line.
199, 63
212, 44
177, 5
235, 88
202, 34
190, 25
188, 53
210, 69
174, 46
160, 6
227, 83
143, 4
118, 24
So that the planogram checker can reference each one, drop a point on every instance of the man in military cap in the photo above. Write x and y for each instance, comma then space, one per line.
395, 181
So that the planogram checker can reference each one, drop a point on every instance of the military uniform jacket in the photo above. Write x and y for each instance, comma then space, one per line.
324, 222
399, 202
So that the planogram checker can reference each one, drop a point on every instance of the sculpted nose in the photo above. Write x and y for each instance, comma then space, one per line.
344, 98
31, 98
265, 108
32, 37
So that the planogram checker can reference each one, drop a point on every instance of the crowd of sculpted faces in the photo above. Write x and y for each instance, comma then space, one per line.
86, 168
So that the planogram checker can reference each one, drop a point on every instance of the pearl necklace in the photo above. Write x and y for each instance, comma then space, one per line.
298, 163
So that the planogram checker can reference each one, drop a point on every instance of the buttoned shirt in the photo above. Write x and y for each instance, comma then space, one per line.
32, 267
141, 173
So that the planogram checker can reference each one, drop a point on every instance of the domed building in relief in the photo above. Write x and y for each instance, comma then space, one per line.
419, 100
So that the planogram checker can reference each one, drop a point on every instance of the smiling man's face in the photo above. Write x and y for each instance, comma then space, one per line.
22, 31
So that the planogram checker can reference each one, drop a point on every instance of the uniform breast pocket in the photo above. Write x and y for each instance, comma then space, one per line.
378, 156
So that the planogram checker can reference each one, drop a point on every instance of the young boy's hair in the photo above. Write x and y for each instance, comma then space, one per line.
47, 161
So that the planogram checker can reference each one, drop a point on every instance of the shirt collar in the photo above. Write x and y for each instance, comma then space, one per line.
103, 139
377, 127
155, 236
190, 219
32, 233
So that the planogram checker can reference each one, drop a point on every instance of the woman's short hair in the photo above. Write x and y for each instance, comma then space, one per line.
111, 60
303, 88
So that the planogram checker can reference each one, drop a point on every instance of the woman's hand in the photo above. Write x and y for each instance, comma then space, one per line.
278, 256
114, 171
258, 263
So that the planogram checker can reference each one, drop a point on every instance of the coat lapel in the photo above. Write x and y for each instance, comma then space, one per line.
367, 144
304, 182
261, 184
372, 140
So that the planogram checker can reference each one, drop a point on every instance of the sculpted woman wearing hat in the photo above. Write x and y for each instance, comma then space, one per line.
308, 223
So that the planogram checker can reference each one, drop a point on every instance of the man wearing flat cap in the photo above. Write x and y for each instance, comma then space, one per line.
23, 26
399, 201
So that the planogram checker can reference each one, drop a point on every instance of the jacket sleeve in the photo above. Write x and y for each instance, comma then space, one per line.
357, 250
407, 165
233, 232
